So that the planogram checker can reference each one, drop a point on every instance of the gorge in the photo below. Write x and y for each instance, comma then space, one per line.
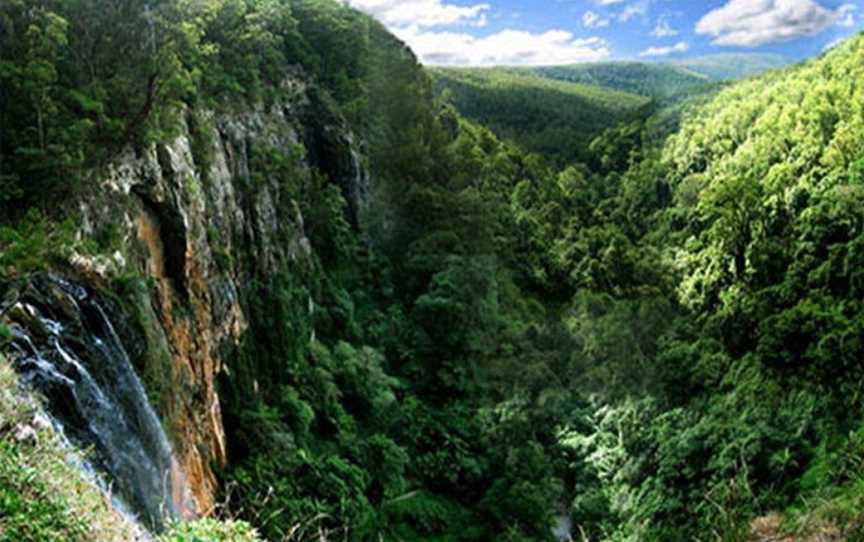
263, 276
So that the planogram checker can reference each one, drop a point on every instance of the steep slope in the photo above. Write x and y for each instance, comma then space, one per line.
770, 171
711, 287
307, 345
555, 118
174, 225
759, 404
187, 235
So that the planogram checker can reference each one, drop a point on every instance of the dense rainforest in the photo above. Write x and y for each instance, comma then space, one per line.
558, 111
555, 118
651, 331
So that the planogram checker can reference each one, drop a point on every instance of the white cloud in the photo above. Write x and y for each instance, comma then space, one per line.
507, 48
608, 2
663, 28
405, 13
635, 9
593, 20
751, 23
680, 47
846, 15
413, 22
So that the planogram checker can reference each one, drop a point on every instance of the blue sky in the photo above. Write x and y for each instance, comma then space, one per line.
538, 32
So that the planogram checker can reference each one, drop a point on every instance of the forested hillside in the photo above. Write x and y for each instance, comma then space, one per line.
556, 111
556, 119
753, 406
658, 339
732, 66
662, 82
665, 81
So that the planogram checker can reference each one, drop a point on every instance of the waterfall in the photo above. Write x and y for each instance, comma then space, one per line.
66, 348
360, 182
355, 183
563, 530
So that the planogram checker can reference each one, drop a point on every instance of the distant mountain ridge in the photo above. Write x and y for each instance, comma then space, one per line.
666, 81
732, 66
661, 82
547, 115
558, 110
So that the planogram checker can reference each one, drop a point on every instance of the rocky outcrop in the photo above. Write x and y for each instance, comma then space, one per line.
188, 225
335, 153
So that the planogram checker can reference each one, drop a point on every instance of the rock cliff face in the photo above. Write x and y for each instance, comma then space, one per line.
190, 223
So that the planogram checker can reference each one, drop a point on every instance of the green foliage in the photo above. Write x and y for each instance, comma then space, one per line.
715, 276
82, 82
28, 509
340, 404
554, 118
422, 516
665, 83
773, 241
209, 530
661, 337
33, 242
730, 66
754, 387
327, 225
658, 473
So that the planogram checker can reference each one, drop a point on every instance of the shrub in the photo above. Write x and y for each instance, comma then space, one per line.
210, 530
34, 243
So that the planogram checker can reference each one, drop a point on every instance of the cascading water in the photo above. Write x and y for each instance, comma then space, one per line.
67, 349
355, 183
563, 529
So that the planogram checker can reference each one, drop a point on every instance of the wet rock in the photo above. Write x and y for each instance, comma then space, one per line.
25, 434
41, 422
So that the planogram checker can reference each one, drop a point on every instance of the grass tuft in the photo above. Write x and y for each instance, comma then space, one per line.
43, 497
